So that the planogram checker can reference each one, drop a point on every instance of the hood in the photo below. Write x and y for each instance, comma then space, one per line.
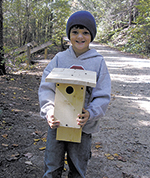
89, 54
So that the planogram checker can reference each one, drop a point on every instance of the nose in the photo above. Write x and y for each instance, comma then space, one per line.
80, 35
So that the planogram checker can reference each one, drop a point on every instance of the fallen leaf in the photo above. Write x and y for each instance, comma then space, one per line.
5, 136
66, 162
28, 155
36, 140
10, 128
65, 156
42, 148
120, 158
44, 139
3, 144
115, 155
15, 145
98, 146
98, 143
109, 156
28, 162
13, 157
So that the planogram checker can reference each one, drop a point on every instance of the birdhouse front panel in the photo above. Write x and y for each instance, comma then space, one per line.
69, 101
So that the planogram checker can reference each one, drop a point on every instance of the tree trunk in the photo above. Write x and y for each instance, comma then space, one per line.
2, 64
50, 28
131, 12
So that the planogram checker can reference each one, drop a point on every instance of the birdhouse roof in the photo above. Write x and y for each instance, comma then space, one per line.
72, 76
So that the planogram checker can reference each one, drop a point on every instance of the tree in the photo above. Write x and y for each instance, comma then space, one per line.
142, 29
38, 20
2, 64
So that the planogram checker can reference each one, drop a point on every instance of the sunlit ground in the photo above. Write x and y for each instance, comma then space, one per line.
133, 74
125, 129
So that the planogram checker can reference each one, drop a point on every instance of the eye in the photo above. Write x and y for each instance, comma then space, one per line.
86, 33
74, 32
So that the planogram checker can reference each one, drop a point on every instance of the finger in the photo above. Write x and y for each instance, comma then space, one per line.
81, 116
56, 123
54, 126
50, 117
50, 121
83, 110
80, 122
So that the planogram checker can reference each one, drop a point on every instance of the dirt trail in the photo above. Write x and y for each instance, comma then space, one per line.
120, 150
125, 129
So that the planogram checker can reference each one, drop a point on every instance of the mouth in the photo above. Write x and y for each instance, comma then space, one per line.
80, 42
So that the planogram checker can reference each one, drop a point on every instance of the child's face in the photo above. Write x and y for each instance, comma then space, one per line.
80, 39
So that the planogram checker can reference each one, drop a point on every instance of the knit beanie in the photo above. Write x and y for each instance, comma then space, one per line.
84, 18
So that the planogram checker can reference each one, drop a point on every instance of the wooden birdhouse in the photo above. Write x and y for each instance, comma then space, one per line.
69, 99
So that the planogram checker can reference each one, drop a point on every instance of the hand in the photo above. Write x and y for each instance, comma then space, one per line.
52, 123
83, 118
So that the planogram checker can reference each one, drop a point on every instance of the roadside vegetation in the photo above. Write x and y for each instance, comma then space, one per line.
121, 24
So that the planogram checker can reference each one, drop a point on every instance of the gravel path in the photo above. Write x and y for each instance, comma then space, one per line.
122, 147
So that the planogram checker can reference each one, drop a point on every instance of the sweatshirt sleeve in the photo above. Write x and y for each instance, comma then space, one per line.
100, 96
46, 91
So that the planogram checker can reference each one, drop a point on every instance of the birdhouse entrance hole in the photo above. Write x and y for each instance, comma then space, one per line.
69, 90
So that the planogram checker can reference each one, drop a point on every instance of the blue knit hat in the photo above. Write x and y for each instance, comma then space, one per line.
84, 18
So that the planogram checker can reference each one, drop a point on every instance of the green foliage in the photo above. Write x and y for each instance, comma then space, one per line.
41, 21
45, 20
11, 59
144, 11
128, 26
31, 20
61, 12
139, 41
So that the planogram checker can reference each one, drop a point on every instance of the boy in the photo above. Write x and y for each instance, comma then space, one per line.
81, 30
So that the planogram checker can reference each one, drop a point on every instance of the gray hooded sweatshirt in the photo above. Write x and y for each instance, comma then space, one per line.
96, 99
